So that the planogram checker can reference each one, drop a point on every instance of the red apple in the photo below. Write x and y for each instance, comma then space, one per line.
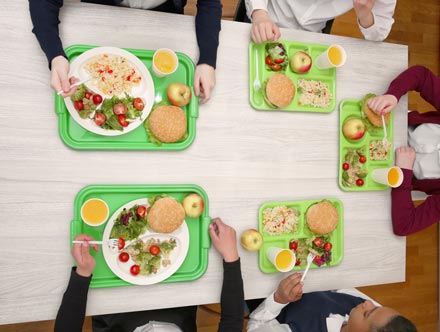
354, 129
251, 239
179, 94
301, 62
193, 205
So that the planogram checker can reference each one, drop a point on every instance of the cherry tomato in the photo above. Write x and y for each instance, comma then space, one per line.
88, 95
122, 121
138, 103
121, 243
154, 250
276, 67
141, 210
119, 108
362, 159
269, 61
293, 245
100, 118
328, 246
279, 60
345, 166
79, 105
318, 242
124, 257
318, 260
135, 269
97, 99
359, 182
298, 262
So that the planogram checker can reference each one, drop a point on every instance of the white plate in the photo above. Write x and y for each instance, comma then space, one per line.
122, 270
144, 90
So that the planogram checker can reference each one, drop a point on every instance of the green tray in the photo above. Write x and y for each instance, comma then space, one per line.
327, 76
115, 196
351, 108
282, 241
76, 137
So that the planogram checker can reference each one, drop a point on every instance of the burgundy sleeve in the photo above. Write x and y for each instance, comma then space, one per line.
408, 219
420, 79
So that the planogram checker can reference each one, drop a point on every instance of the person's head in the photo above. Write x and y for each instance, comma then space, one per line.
366, 317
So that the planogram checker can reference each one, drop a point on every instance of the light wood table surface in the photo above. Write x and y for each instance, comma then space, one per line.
241, 157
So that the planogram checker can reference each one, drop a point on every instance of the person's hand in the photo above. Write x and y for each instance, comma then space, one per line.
405, 157
224, 239
263, 28
204, 82
85, 263
289, 289
59, 77
364, 12
382, 104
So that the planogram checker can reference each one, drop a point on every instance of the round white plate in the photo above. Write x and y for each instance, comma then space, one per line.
122, 270
144, 90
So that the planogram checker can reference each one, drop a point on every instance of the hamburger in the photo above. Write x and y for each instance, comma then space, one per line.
166, 215
167, 124
322, 218
279, 91
374, 118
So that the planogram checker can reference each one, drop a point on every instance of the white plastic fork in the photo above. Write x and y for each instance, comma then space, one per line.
75, 84
384, 140
112, 243
310, 258
257, 84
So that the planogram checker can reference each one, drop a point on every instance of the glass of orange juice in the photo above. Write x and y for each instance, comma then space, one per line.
94, 212
334, 56
283, 259
165, 62
390, 176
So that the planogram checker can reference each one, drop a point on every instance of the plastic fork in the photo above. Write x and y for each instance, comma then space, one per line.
257, 83
384, 140
75, 84
112, 243
310, 258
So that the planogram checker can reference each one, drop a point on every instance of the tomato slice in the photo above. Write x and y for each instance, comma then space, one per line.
154, 250
135, 269
362, 159
318, 242
345, 166
269, 61
141, 211
279, 60
121, 243
119, 108
293, 245
275, 67
298, 262
122, 120
328, 246
88, 95
100, 118
124, 257
79, 105
359, 182
97, 99
138, 103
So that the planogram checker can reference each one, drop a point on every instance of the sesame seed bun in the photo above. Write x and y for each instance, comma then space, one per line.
322, 218
279, 91
374, 118
168, 123
166, 215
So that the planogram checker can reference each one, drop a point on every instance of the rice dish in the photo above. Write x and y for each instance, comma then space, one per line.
280, 219
379, 150
112, 74
314, 93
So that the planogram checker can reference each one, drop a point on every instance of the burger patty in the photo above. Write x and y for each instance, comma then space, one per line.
280, 90
166, 215
322, 218
168, 123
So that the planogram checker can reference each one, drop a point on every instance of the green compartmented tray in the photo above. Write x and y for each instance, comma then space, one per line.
196, 261
76, 137
327, 76
351, 108
282, 241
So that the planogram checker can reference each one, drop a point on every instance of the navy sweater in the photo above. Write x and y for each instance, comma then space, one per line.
44, 15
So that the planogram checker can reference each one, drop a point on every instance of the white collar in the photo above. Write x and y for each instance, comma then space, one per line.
335, 322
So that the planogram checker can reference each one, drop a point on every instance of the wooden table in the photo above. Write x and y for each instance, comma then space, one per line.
241, 157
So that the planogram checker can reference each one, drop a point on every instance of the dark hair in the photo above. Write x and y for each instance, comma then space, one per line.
396, 324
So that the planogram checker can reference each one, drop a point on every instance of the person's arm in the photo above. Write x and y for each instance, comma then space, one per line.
420, 79
406, 218
72, 311
263, 28
44, 15
375, 18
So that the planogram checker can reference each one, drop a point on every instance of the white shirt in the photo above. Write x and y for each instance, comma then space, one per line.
158, 327
142, 4
263, 319
425, 139
311, 15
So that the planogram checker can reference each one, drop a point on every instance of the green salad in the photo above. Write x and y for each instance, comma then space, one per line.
130, 223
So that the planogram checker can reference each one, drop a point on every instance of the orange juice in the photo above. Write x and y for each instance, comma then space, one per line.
335, 55
94, 212
393, 176
165, 61
284, 259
